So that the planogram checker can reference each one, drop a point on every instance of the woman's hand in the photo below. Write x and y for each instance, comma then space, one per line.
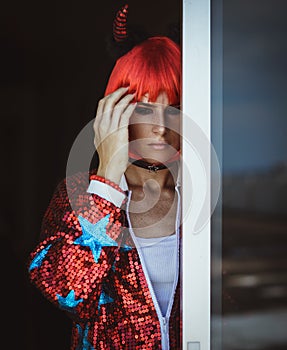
111, 133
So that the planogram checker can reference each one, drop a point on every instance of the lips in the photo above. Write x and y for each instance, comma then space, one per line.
158, 145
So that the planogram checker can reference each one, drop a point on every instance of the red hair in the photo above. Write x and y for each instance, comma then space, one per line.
153, 66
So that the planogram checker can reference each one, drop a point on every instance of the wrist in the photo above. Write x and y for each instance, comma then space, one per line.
105, 181
111, 175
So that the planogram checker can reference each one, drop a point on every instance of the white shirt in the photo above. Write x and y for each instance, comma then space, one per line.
160, 257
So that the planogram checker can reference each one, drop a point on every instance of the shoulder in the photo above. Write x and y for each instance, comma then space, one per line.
73, 187
77, 182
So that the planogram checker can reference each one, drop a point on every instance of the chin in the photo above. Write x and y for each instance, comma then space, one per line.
150, 155
158, 158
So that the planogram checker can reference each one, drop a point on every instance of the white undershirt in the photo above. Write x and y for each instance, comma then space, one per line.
160, 256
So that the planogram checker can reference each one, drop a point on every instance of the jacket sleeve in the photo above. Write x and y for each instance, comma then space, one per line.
80, 238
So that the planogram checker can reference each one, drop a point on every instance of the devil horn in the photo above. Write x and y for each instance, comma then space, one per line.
120, 24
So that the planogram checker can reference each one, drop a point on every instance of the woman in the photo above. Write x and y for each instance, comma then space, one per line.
111, 262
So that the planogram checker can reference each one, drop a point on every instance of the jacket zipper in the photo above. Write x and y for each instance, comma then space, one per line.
164, 333
164, 321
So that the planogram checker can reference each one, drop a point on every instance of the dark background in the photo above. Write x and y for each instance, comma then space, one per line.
54, 69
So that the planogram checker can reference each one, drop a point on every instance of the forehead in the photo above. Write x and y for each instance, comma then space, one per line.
161, 99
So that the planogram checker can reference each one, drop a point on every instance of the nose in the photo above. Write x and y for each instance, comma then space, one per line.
159, 126
159, 129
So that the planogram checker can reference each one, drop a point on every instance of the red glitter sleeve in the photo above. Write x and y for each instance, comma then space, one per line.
78, 247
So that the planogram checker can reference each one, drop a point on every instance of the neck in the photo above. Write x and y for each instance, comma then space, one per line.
138, 176
151, 167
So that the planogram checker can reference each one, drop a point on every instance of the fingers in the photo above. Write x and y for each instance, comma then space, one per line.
122, 111
125, 117
107, 103
112, 118
112, 108
112, 99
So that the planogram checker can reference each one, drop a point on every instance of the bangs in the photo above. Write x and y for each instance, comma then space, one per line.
153, 66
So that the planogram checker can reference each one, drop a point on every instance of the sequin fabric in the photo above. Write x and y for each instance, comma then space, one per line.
87, 266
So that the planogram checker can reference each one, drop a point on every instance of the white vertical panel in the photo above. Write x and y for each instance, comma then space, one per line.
196, 174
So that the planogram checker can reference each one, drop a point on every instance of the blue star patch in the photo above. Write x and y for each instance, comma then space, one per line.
38, 259
104, 299
68, 302
84, 344
125, 248
94, 236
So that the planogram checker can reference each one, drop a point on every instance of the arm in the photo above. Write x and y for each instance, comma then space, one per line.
77, 250
79, 243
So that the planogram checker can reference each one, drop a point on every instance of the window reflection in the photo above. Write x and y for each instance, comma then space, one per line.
254, 226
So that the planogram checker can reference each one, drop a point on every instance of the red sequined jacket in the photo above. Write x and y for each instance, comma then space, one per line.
87, 265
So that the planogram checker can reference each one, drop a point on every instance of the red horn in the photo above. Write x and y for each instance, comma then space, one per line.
120, 24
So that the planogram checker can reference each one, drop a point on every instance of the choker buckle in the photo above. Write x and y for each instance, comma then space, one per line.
153, 168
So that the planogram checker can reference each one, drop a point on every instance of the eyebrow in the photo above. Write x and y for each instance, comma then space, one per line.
146, 104
155, 104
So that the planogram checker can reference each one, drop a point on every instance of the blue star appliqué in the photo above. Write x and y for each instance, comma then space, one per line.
83, 335
94, 236
104, 299
68, 302
37, 261
125, 248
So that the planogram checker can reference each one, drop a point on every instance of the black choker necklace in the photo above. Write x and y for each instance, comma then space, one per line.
143, 164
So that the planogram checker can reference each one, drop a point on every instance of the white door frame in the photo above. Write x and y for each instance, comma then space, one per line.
196, 107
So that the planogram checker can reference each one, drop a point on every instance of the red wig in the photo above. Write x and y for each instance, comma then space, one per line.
153, 66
